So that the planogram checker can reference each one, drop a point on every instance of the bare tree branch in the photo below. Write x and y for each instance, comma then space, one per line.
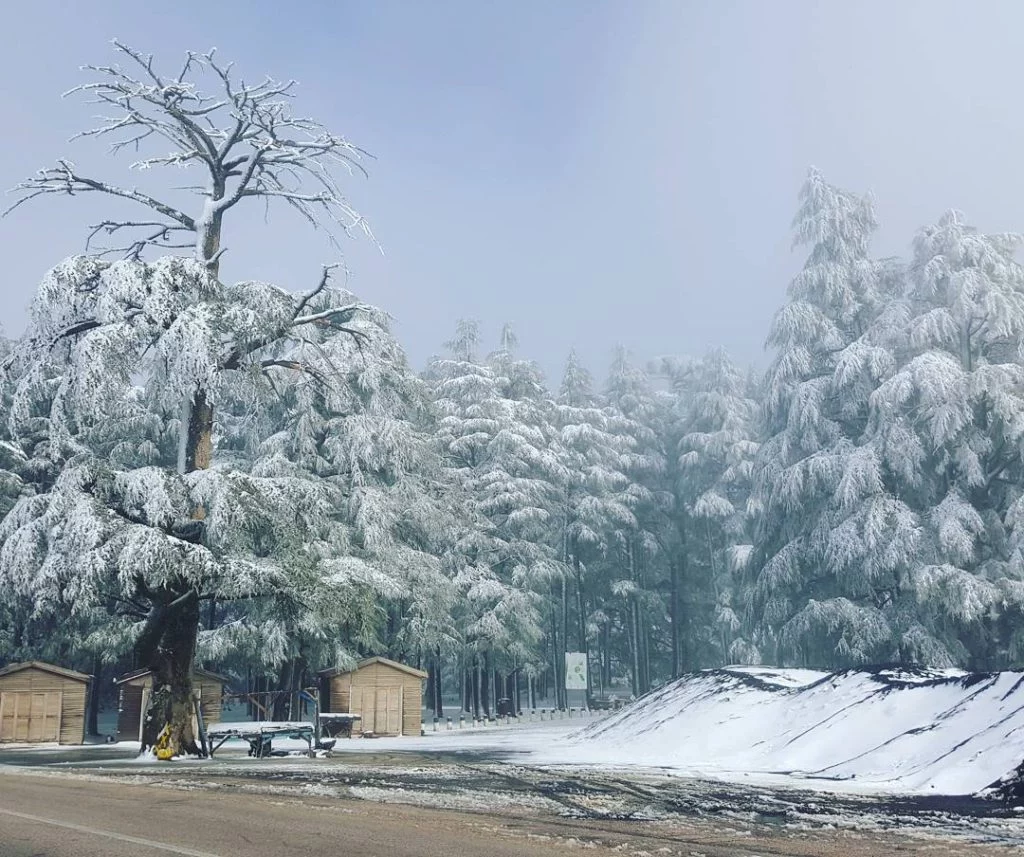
245, 138
63, 179
333, 317
325, 277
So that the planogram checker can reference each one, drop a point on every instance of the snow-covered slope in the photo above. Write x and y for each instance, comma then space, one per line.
912, 730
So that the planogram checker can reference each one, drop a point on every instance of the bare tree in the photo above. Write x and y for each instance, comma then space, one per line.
245, 138
249, 145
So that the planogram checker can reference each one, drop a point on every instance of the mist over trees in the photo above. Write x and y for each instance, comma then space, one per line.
257, 480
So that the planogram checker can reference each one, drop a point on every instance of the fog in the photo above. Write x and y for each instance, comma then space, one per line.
595, 172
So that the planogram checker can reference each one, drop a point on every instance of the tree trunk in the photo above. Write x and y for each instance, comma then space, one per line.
476, 687
93, 727
673, 614
606, 655
168, 642
631, 638
170, 702
485, 681
434, 685
581, 618
635, 617
555, 673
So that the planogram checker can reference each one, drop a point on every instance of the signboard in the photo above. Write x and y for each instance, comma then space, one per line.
575, 670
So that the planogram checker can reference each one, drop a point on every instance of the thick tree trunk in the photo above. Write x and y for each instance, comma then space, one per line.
169, 718
168, 643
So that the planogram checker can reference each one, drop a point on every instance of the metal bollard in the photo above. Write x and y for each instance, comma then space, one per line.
462, 721
449, 724
435, 724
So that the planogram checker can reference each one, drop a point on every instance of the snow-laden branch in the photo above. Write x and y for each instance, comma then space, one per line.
62, 179
245, 138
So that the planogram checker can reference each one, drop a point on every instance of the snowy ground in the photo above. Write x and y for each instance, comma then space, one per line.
880, 751
884, 731
475, 772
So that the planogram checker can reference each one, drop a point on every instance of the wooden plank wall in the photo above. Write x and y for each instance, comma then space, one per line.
73, 693
210, 699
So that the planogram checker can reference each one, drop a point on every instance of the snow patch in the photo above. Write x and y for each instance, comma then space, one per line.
893, 729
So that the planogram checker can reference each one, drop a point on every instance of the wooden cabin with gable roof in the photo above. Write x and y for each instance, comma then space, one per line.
41, 703
387, 696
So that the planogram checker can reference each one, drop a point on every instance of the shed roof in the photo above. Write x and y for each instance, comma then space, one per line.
196, 671
45, 667
335, 671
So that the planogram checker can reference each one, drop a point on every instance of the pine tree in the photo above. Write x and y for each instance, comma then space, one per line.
714, 430
948, 425
822, 500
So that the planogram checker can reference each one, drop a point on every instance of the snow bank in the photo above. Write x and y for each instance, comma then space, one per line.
906, 730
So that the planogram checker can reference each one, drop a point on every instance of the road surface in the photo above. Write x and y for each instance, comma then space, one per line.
78, 816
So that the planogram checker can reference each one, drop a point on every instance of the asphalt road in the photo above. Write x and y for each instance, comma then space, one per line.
68, 817
73, 815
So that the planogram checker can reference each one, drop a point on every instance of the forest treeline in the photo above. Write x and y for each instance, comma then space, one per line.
860, 502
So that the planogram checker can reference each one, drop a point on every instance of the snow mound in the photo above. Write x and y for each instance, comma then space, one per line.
898, 729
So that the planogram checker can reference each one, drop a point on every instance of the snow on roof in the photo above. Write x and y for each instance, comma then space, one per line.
335, 671
891, 729
45, 667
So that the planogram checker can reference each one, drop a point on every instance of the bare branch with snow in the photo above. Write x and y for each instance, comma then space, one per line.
245, 138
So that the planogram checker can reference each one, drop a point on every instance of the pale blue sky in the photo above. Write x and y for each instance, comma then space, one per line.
593, 171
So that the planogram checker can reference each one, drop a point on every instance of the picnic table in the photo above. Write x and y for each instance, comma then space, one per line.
259, 734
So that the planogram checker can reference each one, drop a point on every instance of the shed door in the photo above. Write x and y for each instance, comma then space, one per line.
388, 714
30, 716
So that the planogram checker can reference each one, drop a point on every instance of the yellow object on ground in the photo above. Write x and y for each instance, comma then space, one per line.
164, 750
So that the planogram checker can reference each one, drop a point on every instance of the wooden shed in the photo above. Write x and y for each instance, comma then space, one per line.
135, 688
42, 703
387, 695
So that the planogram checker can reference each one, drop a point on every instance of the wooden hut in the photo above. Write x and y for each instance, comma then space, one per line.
42, 703
387, 695
135, 688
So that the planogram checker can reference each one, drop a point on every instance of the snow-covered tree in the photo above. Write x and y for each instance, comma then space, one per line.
139, 365
821, 501
949, 425
631, 572
713, 431
491, 433
596, 518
